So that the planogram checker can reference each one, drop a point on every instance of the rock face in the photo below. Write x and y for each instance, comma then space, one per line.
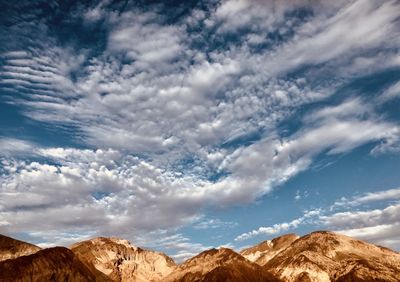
53, 264
11, 248
121, 261
219, 265
327, 256
266, 250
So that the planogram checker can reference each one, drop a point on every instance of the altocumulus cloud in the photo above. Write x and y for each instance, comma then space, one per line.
161, 103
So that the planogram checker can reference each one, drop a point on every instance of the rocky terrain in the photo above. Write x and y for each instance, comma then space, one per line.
266, 250
53, 264
327, 256
219, 265
121, 261
11, 248
319, 256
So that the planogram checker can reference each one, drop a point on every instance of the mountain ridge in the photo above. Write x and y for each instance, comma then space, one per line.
11, 248
316, 257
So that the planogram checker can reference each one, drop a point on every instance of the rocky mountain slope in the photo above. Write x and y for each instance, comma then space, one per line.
219, 265
53, 264
327, 256
121, 261
11, 248
319, 256
266, 250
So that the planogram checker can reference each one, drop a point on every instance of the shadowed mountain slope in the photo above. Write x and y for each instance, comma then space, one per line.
11, 248
53, 264
219, 265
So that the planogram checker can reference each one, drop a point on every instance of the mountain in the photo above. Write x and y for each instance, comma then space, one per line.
320, 256
121, 261
266, 250
219, 265
11, 248
327, 256
53, 264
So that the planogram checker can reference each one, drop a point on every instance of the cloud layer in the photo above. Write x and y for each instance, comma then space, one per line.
176, 114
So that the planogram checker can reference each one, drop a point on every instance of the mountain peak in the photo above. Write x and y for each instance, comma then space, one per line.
222, 264
326, 256
107, 241
318, 256
52, 264
11, 248
121, 261
264, 251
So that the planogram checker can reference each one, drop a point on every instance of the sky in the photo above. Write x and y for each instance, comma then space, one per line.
186, 125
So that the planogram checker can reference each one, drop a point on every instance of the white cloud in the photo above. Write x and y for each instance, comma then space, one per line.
181, 247
391, 93
145, 194
154, 99
214, 223
384, 235
12, 146
379, 226
142, 39
280, 227
391, 194
326, 38
376, 225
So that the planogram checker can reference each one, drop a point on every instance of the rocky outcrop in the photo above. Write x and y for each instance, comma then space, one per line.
219, 265
121, 261
11, 248
263, 252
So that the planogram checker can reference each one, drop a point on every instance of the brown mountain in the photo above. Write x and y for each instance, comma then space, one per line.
53, 264
121, 261
266, 250
219, 265
11, 248
327, 256
319, 256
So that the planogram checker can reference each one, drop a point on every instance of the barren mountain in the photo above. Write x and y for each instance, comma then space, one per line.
11, 248
53, 264
319, 256
219, 265
266, 250
121, 261
327, 256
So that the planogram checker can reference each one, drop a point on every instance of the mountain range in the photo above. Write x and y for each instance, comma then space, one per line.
317, 257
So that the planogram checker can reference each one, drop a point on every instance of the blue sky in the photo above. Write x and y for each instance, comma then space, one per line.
184, 125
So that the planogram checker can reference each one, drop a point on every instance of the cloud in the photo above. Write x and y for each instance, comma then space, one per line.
376, 225
358, 219
165, 104
214, 224
12, 146
380, 226
280, 227
144, 40
391, 93
391, 194
116, 191
181, 247
326, 39
385, 234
